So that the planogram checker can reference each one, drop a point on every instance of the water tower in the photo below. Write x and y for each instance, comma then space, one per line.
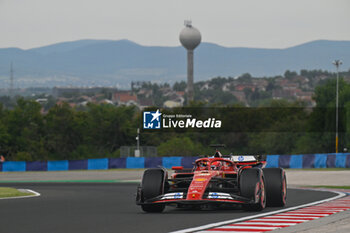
190, 38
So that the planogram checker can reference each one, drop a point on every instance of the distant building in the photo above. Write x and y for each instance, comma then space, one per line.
307, 97
147, 93
124, 98
144, 103
240, 95
172, 104
60, 91
226, 87
283, 94
60, 103
42, 100
290, 86
241, 87
106, 101
180, 93
205, 87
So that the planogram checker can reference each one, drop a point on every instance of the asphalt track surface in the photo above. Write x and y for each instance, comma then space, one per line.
110, 207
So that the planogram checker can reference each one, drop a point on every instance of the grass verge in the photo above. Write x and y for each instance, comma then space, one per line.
12, 192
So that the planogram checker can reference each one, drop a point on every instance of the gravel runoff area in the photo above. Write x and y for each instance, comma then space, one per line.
294, 177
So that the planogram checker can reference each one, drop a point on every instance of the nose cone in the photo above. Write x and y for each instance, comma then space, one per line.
190, 37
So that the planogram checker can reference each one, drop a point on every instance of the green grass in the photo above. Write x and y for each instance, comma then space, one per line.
12, 192
330, 186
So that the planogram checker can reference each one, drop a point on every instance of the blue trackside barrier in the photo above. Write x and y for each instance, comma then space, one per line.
61, 165
133, 162
331, 160
81, 164
153, 162
96, 164
340, 160
308, 161
188, 162
284, 161
168, 162
320, 161
272, 161
36, 166
296, 161
348, 161
117, 163
12, 166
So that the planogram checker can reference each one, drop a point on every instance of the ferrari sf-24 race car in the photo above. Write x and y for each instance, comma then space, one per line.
217, 180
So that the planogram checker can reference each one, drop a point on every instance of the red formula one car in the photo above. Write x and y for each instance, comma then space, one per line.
218, 180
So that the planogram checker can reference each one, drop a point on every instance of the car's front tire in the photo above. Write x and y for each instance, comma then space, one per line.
153, 184
276, 186
252, 186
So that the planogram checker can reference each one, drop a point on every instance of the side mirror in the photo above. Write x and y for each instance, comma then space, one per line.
177, 168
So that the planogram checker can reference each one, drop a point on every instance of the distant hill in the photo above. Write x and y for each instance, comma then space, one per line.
106, 62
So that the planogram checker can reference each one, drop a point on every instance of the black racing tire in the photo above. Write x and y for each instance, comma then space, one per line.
276, 186
153, 208
152, 185
252, 186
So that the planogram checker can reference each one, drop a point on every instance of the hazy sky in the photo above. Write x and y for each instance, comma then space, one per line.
233, 23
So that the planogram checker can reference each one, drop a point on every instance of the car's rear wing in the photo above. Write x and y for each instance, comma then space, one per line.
246, 158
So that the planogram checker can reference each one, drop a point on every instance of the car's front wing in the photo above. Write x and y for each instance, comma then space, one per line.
208, 198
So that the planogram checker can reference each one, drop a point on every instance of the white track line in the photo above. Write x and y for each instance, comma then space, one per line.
248, 227
35, 194
217, 224
267, 224
288, 217
233, 231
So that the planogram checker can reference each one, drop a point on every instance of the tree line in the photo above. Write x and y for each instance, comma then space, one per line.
64, 132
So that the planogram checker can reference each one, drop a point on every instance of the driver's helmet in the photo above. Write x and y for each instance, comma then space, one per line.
216, 165
203, 165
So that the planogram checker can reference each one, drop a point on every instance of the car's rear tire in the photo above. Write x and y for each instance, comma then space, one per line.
252, 186
153, 184
276, 186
